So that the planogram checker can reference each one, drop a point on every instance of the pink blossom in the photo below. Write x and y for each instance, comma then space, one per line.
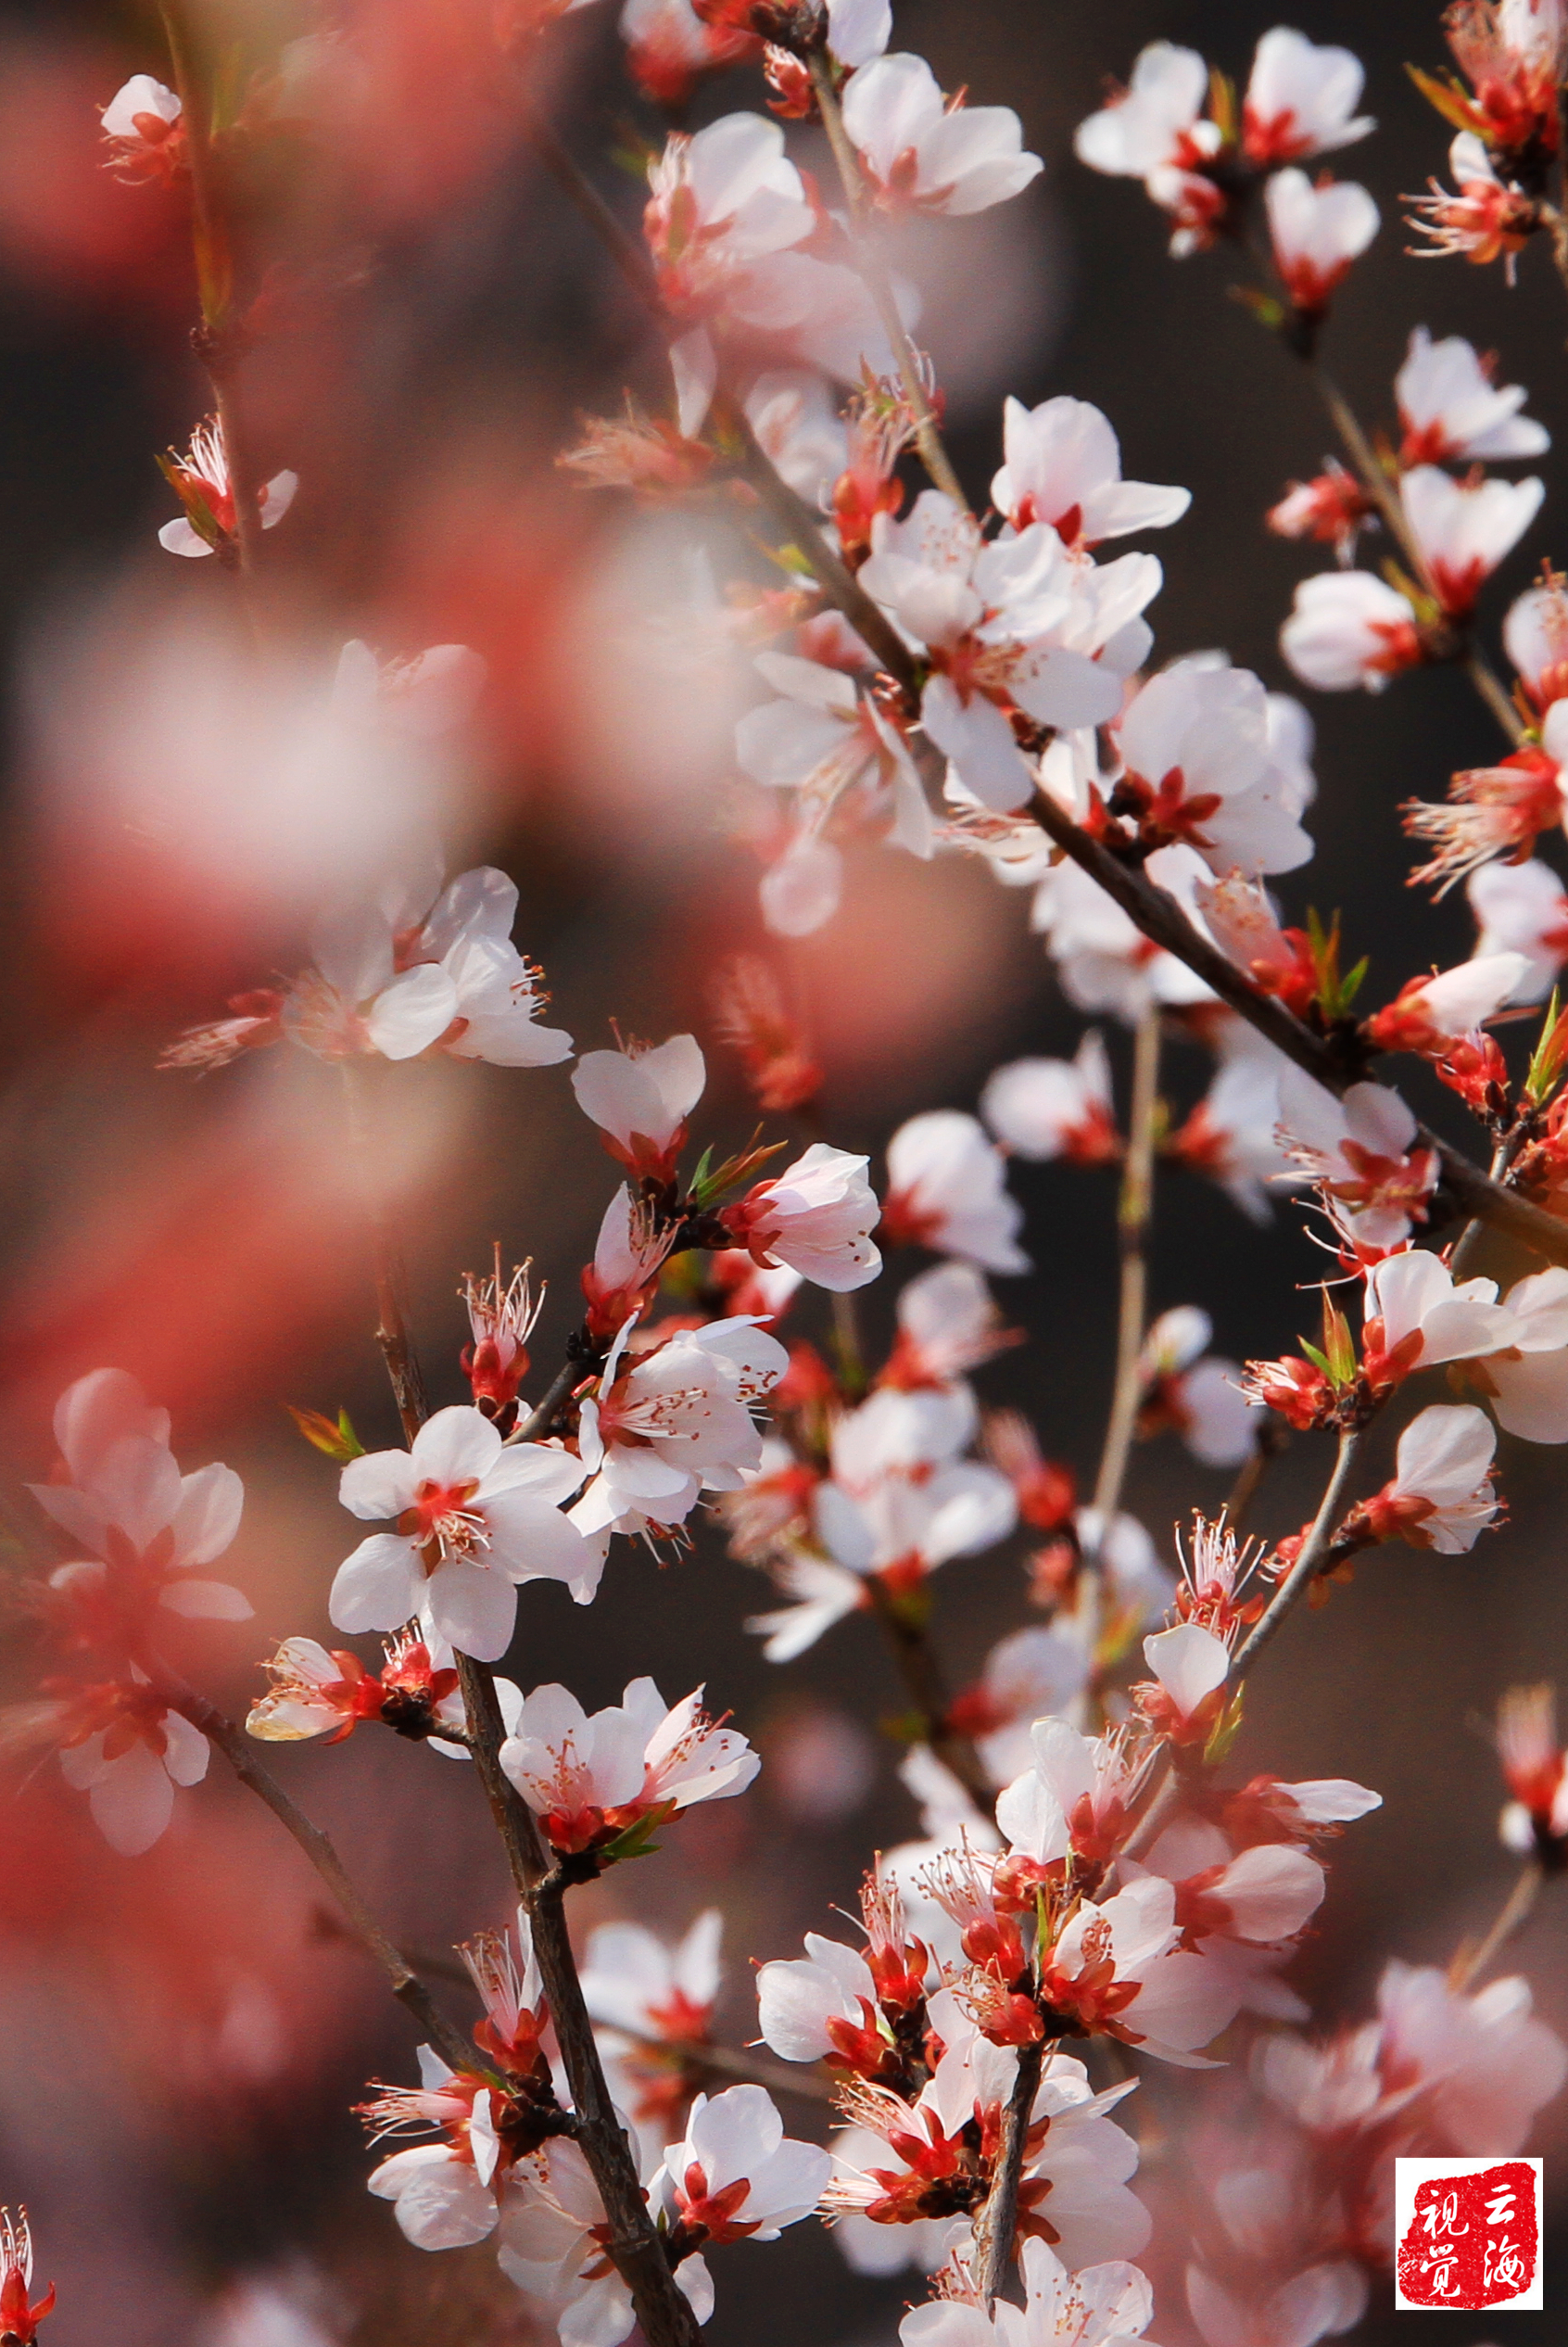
419, 969
146, 1525
1464, 529
1488, 217
1108, 2304
924, 153
1044, 1108
1301, 100
589, 1777
201, 480
129, 1765
1522, 909
993, 619
1441, 1496
947, 1322
675, 1423
736, 2176
640, 1097
1119, 1968
1527, 1376
1062, 464
1535, 637
1451, 411
1428, 1015
1362, 1150
1200, 1398
475, 1520
817, 1217
1417, 1316
1348, 628
1157, 121
947, 1190
1317, 232
1191, 1665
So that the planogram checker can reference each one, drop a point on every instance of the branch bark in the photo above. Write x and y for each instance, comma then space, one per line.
998, 2220
214, 267
1162, 920
403, 1980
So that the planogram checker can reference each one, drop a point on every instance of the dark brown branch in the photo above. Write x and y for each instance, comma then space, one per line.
1163, 921
911, 1649
214, 265
999, 2218
404, 1981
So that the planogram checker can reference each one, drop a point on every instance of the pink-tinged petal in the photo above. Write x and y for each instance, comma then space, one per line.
82, 1764
1189, 1662
185, 1750
97, 1411
413, 1012
978, 739
381, 1484
440, 2202
72, 1510
178, 538
200, 1601
131, 1801
473, 1607
535, 1542
277, 496
458, 1445
537, 1468
613, 1091
137, 1486
380, 1587
212, 1502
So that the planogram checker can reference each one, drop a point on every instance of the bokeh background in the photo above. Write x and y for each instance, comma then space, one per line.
180, 2038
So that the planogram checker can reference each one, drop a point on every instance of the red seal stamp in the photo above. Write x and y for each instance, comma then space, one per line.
1468, 2233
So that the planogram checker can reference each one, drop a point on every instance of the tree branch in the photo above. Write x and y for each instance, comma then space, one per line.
214, 267
999, 2218
404, 1981
1162, 920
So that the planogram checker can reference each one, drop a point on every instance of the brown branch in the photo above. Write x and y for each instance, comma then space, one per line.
1163, 921
1133, 1211
1163, 1785
912, 1650
869, 263
998, 2220
214, 267
1470, 1963
1314, 1550
403, 1980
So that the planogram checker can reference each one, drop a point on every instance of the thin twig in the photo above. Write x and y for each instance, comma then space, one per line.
403, 1980
1470, 1963
869, 265
1163, 1786
1267, 1444
998, 2220
403, 1371
1299, 1578
632, 2244
1133, 1211
539, 1417
214, 266
1162, 920
912, 1650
